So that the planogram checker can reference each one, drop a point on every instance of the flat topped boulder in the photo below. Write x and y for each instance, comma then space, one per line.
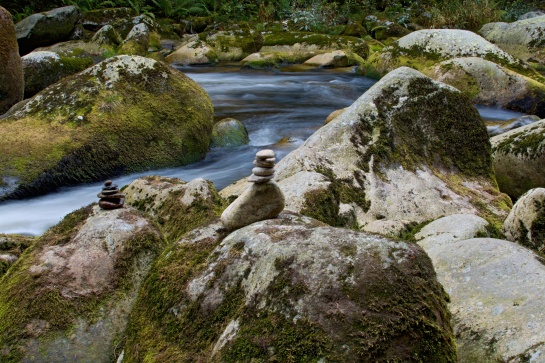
124, 114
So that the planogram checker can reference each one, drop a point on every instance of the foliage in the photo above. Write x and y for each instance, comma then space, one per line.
178, 9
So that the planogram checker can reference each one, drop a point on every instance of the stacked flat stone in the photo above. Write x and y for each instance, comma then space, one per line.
110, 198
264, 167
262, 200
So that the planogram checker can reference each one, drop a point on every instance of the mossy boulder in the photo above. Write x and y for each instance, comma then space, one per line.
69, 296
137, 41
233, 45
290, 290
382, 30
11, 72
175, 205
524, 39
519, 156
193, 53
42, 68
107, 35
11, 248
424, 48
123, 114
525, 224
80, 49
95, 19
488, 83
409, 149
229, 132
335, 59
46, 28
354, 29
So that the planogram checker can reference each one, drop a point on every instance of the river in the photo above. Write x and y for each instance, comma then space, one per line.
272, 105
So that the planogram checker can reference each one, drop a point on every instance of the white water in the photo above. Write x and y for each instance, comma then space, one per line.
271, 106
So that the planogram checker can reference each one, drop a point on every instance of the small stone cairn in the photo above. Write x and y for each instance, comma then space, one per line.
110, 198
262, 200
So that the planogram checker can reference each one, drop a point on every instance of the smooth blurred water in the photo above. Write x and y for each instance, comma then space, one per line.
271, 106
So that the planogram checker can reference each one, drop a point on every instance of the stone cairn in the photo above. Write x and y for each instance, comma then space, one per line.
110, 198
262, 200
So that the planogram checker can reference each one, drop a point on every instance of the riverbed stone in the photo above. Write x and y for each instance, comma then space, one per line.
524, 39
193, 53
525, 224
287, 289
519, 156
71, 295
335, 59
229, 132
512, 124
490, 84
11, 72
124, 114
43, 68
46, 28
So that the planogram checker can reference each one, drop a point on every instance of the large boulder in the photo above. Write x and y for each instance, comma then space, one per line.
124, 114
490, 84
525, 224
43, 68
290, 290
409, 149
11, 72
69, 296
524, 39
424, 48
46, 28
234, 45
175, 205
93, 20
137, 41
519, 156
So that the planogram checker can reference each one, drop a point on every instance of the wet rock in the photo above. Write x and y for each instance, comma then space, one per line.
127, 113
70, 296
11, 72
43, 68
512, 124
525, 224
490, 84
288, 289
262, 200
519, 156
46, 28
229, 132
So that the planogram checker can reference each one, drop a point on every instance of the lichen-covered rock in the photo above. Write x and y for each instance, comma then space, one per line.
511, 124
488, 83
524, 39
519, 156
229, 132
192, 53
234, 45
496, 289
95, 19
177, 206
46, 28
11, 247
525, 224
69, 296
78, 49
124, 114
43, 68
409, 149
137, 41
424, 48
107, 35
290, 290
11, 72
531, 14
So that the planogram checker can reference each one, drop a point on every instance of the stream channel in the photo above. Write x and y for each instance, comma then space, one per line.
274, 106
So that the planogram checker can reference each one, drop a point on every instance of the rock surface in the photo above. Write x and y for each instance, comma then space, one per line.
525, 224
519, 156
107, 35
46, 28
234, 45
524, 39
290, 289
11, 72
409, 149
512, 124
137, 41
488, 83
43, 68
229, 132
335, 59
192, 53
124, 114
69, 297
11, 247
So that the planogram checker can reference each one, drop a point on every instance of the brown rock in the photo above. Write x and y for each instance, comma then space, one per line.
11, 70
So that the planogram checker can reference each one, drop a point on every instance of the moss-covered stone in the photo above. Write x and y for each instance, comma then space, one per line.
262, 294
95, 19
124, 114
11, 73
234, 45
69, 295
11, 248
229, 132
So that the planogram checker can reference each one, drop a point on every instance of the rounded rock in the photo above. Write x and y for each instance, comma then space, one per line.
265, 163
259, 179
265, 154
257, 171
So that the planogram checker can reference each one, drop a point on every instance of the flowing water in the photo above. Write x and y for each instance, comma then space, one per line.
287, 106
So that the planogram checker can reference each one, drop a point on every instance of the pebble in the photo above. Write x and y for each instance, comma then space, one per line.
264, 170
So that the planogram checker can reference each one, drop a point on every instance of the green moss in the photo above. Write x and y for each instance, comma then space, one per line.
260, 64
522, 144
